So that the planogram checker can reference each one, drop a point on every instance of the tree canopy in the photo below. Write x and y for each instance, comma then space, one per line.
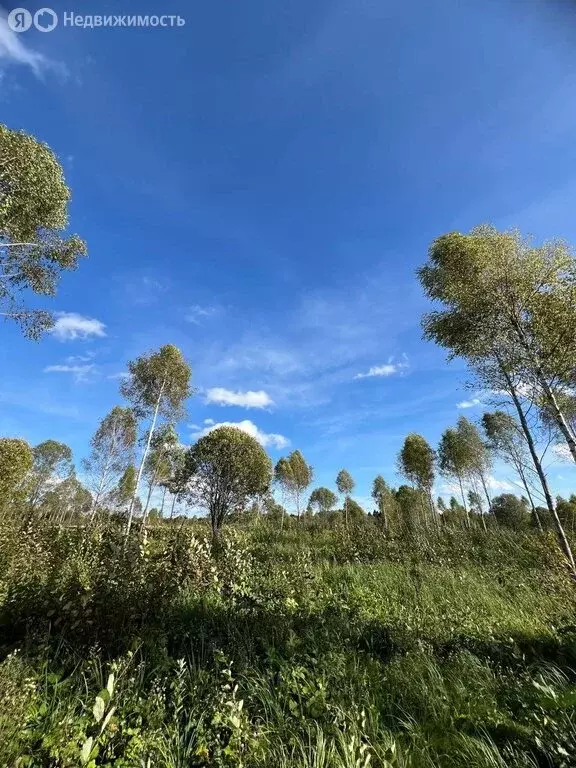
227, 467
34, 250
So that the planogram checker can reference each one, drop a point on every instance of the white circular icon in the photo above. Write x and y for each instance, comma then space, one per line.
19, 20
45, 20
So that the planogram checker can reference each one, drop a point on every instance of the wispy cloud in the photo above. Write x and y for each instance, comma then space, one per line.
387, 369
38, 401
500, 485
317, 343
70, 326
80, 373
74, 359
197, 313
250, 399
473, 403
13, 51
119, 375
267, 440
142, 290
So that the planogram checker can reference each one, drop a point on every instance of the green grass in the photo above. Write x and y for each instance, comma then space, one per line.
306, 647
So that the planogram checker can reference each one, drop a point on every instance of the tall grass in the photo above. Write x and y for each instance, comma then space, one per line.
304, 647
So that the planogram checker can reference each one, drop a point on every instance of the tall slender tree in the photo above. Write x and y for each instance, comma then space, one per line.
345, 484
478, 456
294, 476
16, 461
509, 310
510, 302
454, 462
384, 499
52, 464
506, 440
112, 450
175, 481
157, 385
122, 495
157, 467
416, 463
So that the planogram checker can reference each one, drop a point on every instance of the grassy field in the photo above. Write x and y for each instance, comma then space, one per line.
313, 647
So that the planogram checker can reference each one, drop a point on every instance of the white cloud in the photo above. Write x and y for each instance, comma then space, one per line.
70, 326
73, 359
119, 375
500, 485
470, 403
250, 399
13, 50
209, 421
388, 369
196, 313
267, 440
453, 488
80, 372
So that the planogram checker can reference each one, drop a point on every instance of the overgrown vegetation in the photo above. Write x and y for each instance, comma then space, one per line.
315, 645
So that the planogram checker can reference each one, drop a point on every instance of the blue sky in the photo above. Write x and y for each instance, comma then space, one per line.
258, 188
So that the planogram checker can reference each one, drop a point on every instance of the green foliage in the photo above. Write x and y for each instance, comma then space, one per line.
126, 487
508, 308
158, 381
33, 218
16, 460
112, 450
323, 499
66, 501
227, 467
52, 462
344, 482
302, 647
511, 511
566, 509
416, 462
293, 475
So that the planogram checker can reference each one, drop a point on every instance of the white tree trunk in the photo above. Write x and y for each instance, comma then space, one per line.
143, 461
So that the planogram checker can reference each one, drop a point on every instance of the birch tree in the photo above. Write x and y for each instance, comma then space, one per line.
503, 296
506, 440
384, 500
294, 475
16, 461
112, 450
509, 309
52, 464
157, 467
176, 480
416, 463
454, 463
345, 484
34, 249
157, 386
